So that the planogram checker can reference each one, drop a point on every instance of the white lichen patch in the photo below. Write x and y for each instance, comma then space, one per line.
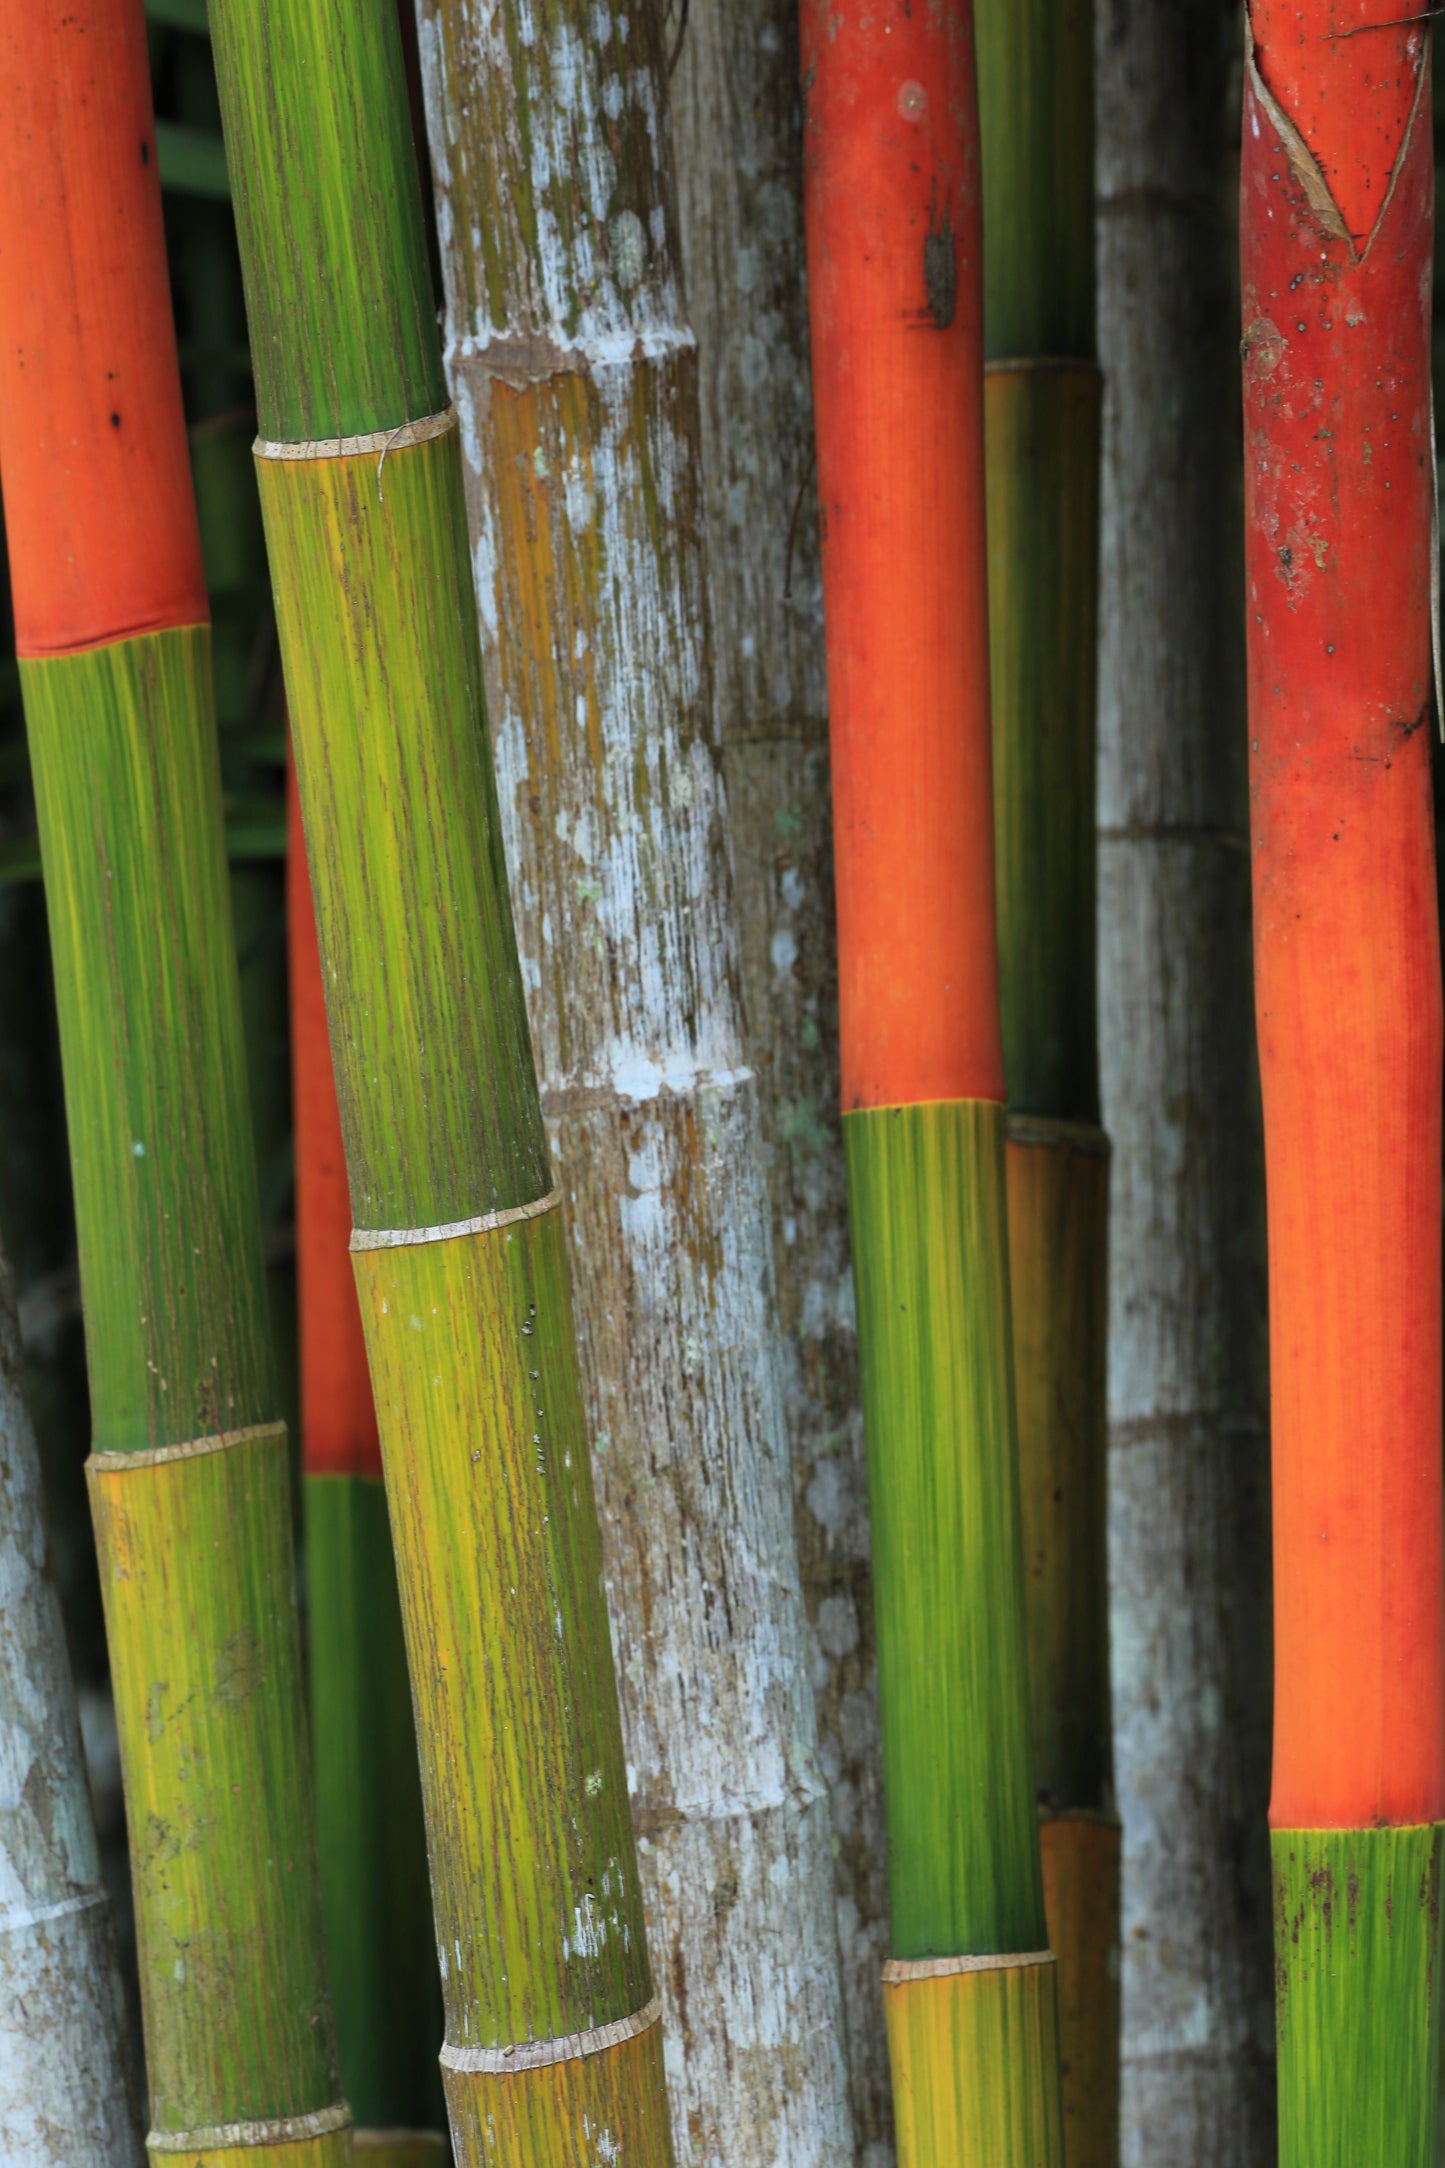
592, 596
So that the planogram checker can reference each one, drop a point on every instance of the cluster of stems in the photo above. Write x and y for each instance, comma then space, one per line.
189, 1476
494, 621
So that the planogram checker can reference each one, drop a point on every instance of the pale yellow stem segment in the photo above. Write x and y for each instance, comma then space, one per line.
942, 2033
332, 2150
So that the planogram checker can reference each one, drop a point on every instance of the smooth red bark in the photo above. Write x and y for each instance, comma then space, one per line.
895, 293
1339, 493
97, 473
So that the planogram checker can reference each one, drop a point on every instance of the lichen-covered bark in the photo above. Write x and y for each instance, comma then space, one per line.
737, 129
65, 2080
1188, 1470
576, 384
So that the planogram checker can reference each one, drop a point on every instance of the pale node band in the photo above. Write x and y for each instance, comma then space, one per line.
899, 1971
374, 440
567, 2048
220, 1441
402, 1238
280, 2130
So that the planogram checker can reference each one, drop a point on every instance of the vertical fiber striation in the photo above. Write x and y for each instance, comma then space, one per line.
1336, 249
1042, 406
575, 379
735, 105
370, 1838
1189, 1464
188, 1477
553, 2050
896, 303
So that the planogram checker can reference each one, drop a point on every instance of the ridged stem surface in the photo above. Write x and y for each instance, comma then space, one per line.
576, 381
1358, 1942
370, 1836
1188, 1451
927, 1191
735, 105
553, 2051
188, 1477
1042, 400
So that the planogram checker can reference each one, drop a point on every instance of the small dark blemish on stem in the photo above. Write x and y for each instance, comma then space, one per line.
940, 266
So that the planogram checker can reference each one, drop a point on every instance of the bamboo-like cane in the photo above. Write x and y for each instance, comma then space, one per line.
189, 1471
1041, 421
735, 105
65, 2091
553, 2048
369, 1830
1188, 1344
576, 379
1337, 192
891, 190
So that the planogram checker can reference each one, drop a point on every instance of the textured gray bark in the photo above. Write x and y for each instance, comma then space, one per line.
575, 379
737, 128
1188, 1469
65, 2100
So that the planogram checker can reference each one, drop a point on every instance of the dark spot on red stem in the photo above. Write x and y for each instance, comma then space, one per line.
940, 266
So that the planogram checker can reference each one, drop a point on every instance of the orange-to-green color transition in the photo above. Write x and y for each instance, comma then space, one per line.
1337, 189
892, 209
553, 2050
189, 1477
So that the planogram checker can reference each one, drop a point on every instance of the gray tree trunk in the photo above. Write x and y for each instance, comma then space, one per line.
737, 130
575, 379
65, 2099
1188, 1467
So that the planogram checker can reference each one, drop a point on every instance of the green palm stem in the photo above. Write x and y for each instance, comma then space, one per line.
553, 2049
368, 1795
369, 1826
1042, 409
190, 1488
188, 1474
973, 2037
220, 411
